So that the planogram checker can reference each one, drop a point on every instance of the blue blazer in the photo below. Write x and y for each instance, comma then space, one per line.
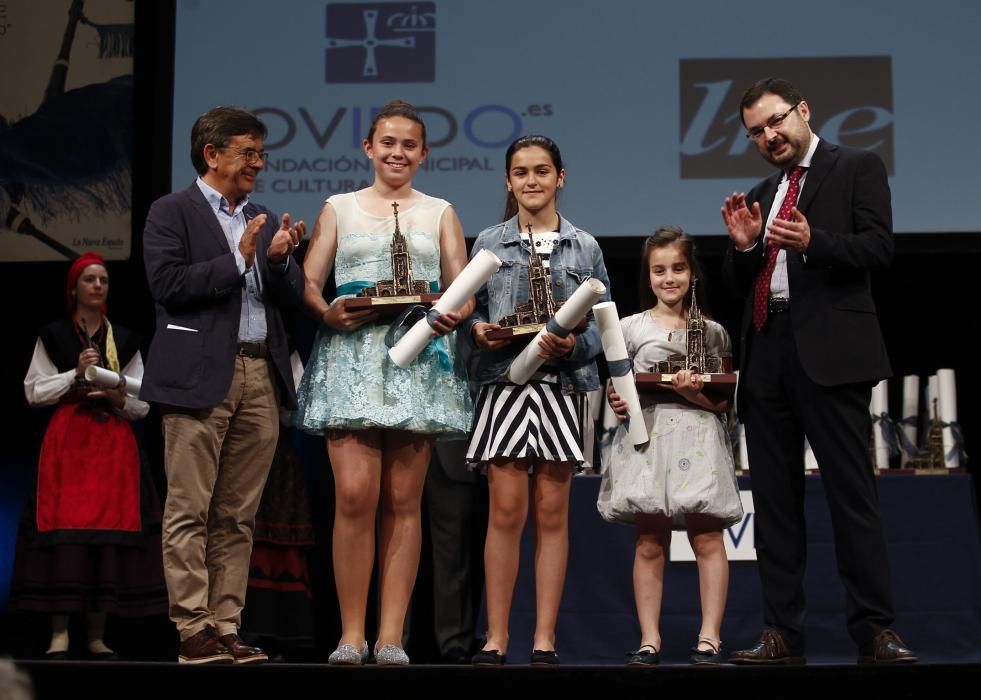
198, 291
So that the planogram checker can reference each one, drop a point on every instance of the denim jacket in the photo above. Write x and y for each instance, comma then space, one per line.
576, 258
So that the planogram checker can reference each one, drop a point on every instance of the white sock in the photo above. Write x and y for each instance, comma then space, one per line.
97, 630
59, 634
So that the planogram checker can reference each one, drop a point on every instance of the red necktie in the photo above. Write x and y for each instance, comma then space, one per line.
761, 293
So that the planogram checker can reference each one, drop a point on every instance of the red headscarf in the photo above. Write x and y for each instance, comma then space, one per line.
74, 272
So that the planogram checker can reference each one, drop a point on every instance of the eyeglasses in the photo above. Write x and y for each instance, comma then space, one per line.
251, 155
774, 122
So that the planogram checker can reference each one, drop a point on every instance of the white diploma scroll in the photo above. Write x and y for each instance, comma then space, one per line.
107, 379
615, 349
948, 414
911, 409
879, 407
810, 461
470, 279
743, 449
296, 366
566, 318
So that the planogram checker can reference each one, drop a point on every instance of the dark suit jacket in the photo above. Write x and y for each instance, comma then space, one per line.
847, 204
196, 285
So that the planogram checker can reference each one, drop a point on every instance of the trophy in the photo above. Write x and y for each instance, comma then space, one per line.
931, 458
389, 297
712, 369
530, 317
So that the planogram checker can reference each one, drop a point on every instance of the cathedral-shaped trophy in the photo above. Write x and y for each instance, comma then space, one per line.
930, 459
388, 297
712, 369
530, 317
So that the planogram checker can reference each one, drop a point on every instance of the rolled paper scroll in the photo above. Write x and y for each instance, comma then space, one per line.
810, 461
470, 279
879, 407
296, 366
107, 379
561, 324
948, 416
743, 449
911, 413
621, 372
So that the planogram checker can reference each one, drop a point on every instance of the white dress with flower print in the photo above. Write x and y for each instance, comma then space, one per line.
687, 465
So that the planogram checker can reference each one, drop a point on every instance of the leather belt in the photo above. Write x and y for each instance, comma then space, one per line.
252, 349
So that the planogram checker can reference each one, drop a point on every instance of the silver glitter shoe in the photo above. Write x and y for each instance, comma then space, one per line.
391, 655
349, 655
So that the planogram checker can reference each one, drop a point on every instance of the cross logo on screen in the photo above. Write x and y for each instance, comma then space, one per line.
381, 42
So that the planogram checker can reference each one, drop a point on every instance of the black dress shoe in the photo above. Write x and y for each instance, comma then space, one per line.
888, 648
104, 656
772, 649
544, 658
56, 656
488, 657
456, 656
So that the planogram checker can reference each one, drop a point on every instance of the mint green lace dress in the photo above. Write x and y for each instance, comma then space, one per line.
350, 382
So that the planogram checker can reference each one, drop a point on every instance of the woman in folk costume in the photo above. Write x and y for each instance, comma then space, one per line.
90, 539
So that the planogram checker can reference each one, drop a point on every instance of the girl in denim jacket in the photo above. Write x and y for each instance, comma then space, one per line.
531, 432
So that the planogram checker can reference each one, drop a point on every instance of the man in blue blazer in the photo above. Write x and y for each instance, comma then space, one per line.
802, 245
220, 271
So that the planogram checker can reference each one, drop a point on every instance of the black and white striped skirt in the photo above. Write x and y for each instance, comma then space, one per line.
535, 422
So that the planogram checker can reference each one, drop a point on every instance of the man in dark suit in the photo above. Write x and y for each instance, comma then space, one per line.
219, 269
802, 245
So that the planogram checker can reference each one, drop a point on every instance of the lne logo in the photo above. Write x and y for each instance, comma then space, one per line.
855, 112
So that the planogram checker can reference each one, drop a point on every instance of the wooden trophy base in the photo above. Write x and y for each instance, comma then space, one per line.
525, 332
529, 330
390, 307
721, 384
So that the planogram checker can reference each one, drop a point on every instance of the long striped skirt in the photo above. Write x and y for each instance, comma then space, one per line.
535, 422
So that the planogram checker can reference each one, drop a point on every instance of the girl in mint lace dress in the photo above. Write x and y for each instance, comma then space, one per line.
380, 420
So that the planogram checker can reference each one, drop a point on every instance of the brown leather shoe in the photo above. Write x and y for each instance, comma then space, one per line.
204, 648
888, 648
242, 652
771, 649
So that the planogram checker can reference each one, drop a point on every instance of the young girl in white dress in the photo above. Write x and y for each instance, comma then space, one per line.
684, 477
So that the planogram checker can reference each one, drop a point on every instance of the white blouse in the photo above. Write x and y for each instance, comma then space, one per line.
44, 385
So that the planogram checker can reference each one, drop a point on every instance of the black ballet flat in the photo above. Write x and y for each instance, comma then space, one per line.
647, 655
488, 657
706, 657
544, 658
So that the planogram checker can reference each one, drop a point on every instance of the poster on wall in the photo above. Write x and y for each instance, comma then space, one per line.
66, 128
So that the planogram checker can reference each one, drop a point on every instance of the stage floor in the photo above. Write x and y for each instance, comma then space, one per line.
148, 680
